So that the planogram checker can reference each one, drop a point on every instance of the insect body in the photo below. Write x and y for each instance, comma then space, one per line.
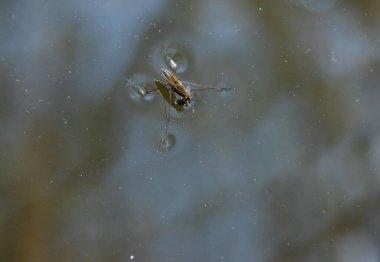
182, 95
178, 88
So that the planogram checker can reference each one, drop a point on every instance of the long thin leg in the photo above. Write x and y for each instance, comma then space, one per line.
150, 91
155, 89
205, 87
166, 119
170, 102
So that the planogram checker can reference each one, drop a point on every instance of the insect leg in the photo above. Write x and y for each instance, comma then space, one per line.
150, 91
170, 102
166, 119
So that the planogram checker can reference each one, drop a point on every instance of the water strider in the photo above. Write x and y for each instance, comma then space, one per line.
176, 94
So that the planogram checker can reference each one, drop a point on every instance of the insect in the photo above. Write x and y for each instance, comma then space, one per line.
176, 94
177, 87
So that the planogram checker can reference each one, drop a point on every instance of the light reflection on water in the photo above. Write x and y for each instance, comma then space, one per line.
282, 167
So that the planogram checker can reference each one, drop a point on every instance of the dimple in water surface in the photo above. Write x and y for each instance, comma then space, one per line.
165, 142
176, 58
137, 86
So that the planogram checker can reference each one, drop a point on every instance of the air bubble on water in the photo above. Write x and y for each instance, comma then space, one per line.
137, 87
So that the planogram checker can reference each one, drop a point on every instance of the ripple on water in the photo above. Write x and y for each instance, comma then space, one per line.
175, 56
177, 138
165, 143
224, 88
136, 87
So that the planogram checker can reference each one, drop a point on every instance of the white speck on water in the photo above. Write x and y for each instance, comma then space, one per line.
120, 188
28, 112
260, 9
357, 100
26, 91
324, 211
64, 121
131, 257
69, 72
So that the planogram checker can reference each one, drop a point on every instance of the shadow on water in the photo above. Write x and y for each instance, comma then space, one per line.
168, 96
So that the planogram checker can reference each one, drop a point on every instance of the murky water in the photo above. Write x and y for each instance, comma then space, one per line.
282, 165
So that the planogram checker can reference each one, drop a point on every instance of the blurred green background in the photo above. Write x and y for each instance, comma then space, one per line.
285, 167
